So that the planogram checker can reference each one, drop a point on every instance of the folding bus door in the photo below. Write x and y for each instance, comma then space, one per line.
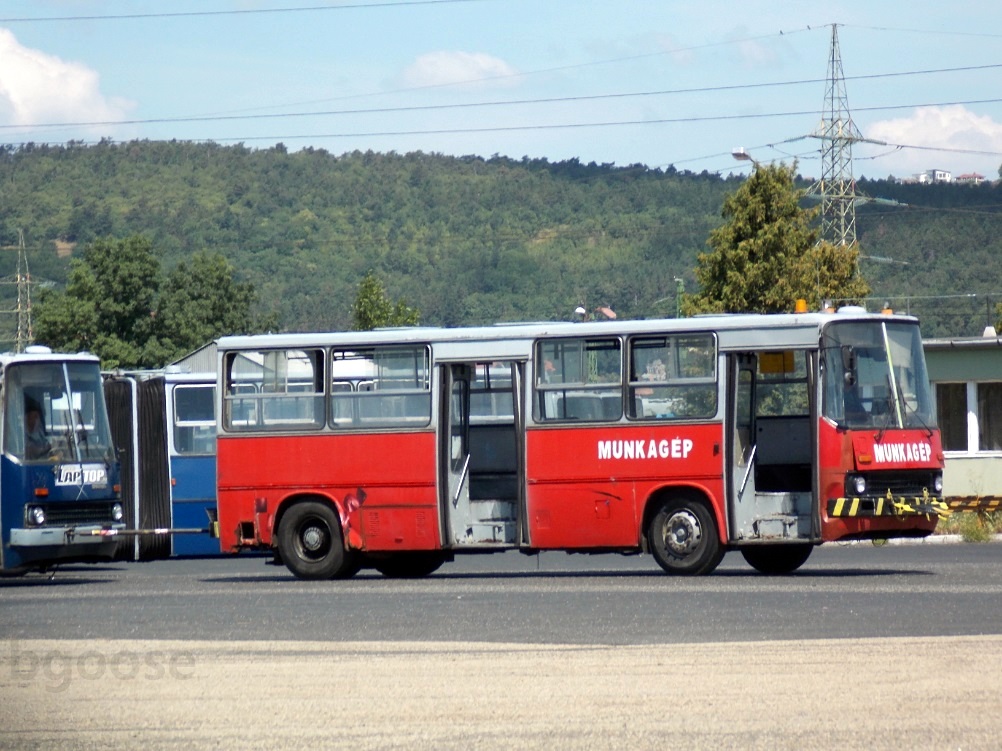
480, 466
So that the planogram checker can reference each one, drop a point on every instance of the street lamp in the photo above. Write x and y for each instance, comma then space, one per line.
742, 155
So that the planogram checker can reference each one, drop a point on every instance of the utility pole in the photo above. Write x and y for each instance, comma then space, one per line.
24, 336
837, 132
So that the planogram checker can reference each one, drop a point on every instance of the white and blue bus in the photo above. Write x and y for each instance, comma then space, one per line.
165, 427
59, 474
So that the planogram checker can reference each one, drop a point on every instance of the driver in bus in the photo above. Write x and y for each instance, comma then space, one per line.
36, 444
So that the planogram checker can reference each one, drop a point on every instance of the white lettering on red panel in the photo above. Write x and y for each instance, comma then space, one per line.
901, 452
642, 448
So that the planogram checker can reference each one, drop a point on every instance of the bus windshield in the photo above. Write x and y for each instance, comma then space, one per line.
875, 377
55, 413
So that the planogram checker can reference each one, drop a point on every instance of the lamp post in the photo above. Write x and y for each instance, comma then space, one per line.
742, 155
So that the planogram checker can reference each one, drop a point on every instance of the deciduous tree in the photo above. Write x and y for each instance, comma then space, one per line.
373, 308
201, 301
117, 305
108, 306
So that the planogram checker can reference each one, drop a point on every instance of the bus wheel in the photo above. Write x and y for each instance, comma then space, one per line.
310, 542
683, 538
353, 563
409, 565
777, 559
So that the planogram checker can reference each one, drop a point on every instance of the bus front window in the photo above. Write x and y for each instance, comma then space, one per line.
54, 412
875, 376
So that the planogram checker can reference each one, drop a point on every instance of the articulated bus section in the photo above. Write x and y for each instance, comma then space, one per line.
164, 425
685, 439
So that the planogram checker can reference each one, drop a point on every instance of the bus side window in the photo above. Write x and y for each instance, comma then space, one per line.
379, 387
673, 377
579, 380
194, 419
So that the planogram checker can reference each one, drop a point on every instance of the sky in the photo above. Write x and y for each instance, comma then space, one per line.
653, 82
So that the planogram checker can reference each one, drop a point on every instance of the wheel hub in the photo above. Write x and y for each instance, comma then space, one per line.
683, 533
313, 538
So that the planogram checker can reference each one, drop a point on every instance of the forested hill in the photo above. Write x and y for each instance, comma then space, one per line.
463, 239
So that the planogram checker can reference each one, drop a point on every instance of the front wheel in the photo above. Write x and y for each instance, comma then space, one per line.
310, 541
777, 559
683, 539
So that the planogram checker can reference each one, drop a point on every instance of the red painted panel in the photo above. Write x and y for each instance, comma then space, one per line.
392, 473
587, 487
842, 452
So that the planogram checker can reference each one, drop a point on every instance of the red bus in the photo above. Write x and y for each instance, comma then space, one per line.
683, 438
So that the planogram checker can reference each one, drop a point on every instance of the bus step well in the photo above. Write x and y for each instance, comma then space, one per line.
779, 526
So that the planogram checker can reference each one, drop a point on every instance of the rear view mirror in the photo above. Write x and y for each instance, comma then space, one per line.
849, 364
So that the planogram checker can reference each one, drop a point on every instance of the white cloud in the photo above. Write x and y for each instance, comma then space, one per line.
443, 68
954, 129
36, 87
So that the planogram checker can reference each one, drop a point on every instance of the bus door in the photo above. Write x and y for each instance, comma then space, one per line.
481, 468
772, 447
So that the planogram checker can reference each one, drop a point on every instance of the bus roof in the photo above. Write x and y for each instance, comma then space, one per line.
735, 331
13, 358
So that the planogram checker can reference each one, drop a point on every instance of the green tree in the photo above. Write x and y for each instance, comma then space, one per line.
199, 302
108, 307
118, 305
766, 254
373, 308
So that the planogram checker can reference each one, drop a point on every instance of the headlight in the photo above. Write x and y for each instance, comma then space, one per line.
855, 484
937, 483
117, 513
36, 516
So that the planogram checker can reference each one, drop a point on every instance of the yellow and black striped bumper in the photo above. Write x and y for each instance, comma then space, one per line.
887, 506
980, 504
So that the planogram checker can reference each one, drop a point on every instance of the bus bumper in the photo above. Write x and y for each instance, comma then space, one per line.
887, 506
89, 536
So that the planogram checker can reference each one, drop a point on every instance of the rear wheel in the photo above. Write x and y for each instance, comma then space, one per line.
353, 563
409, 565
777, 559
683, 539
310, 541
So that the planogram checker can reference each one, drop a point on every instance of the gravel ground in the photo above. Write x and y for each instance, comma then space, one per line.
893, 693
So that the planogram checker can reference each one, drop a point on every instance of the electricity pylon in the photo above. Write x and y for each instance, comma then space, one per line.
21, 312
837, 188
24, 336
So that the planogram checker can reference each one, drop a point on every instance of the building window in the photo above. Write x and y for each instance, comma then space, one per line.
951, 413
990, 416
970, 416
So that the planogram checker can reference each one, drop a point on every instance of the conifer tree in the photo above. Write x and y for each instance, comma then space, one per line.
766, 255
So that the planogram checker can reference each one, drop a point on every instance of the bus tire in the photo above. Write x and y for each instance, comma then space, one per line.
409, 565
782, 558
310, 542
682, 537
353, 563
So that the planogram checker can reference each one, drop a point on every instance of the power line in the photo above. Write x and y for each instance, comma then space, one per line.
232, 12
498, 103
937, 32
606, 124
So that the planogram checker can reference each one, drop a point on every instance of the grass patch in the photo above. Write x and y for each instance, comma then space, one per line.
971, 526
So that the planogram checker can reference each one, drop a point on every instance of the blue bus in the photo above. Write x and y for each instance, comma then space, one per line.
59, 474
165, 427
